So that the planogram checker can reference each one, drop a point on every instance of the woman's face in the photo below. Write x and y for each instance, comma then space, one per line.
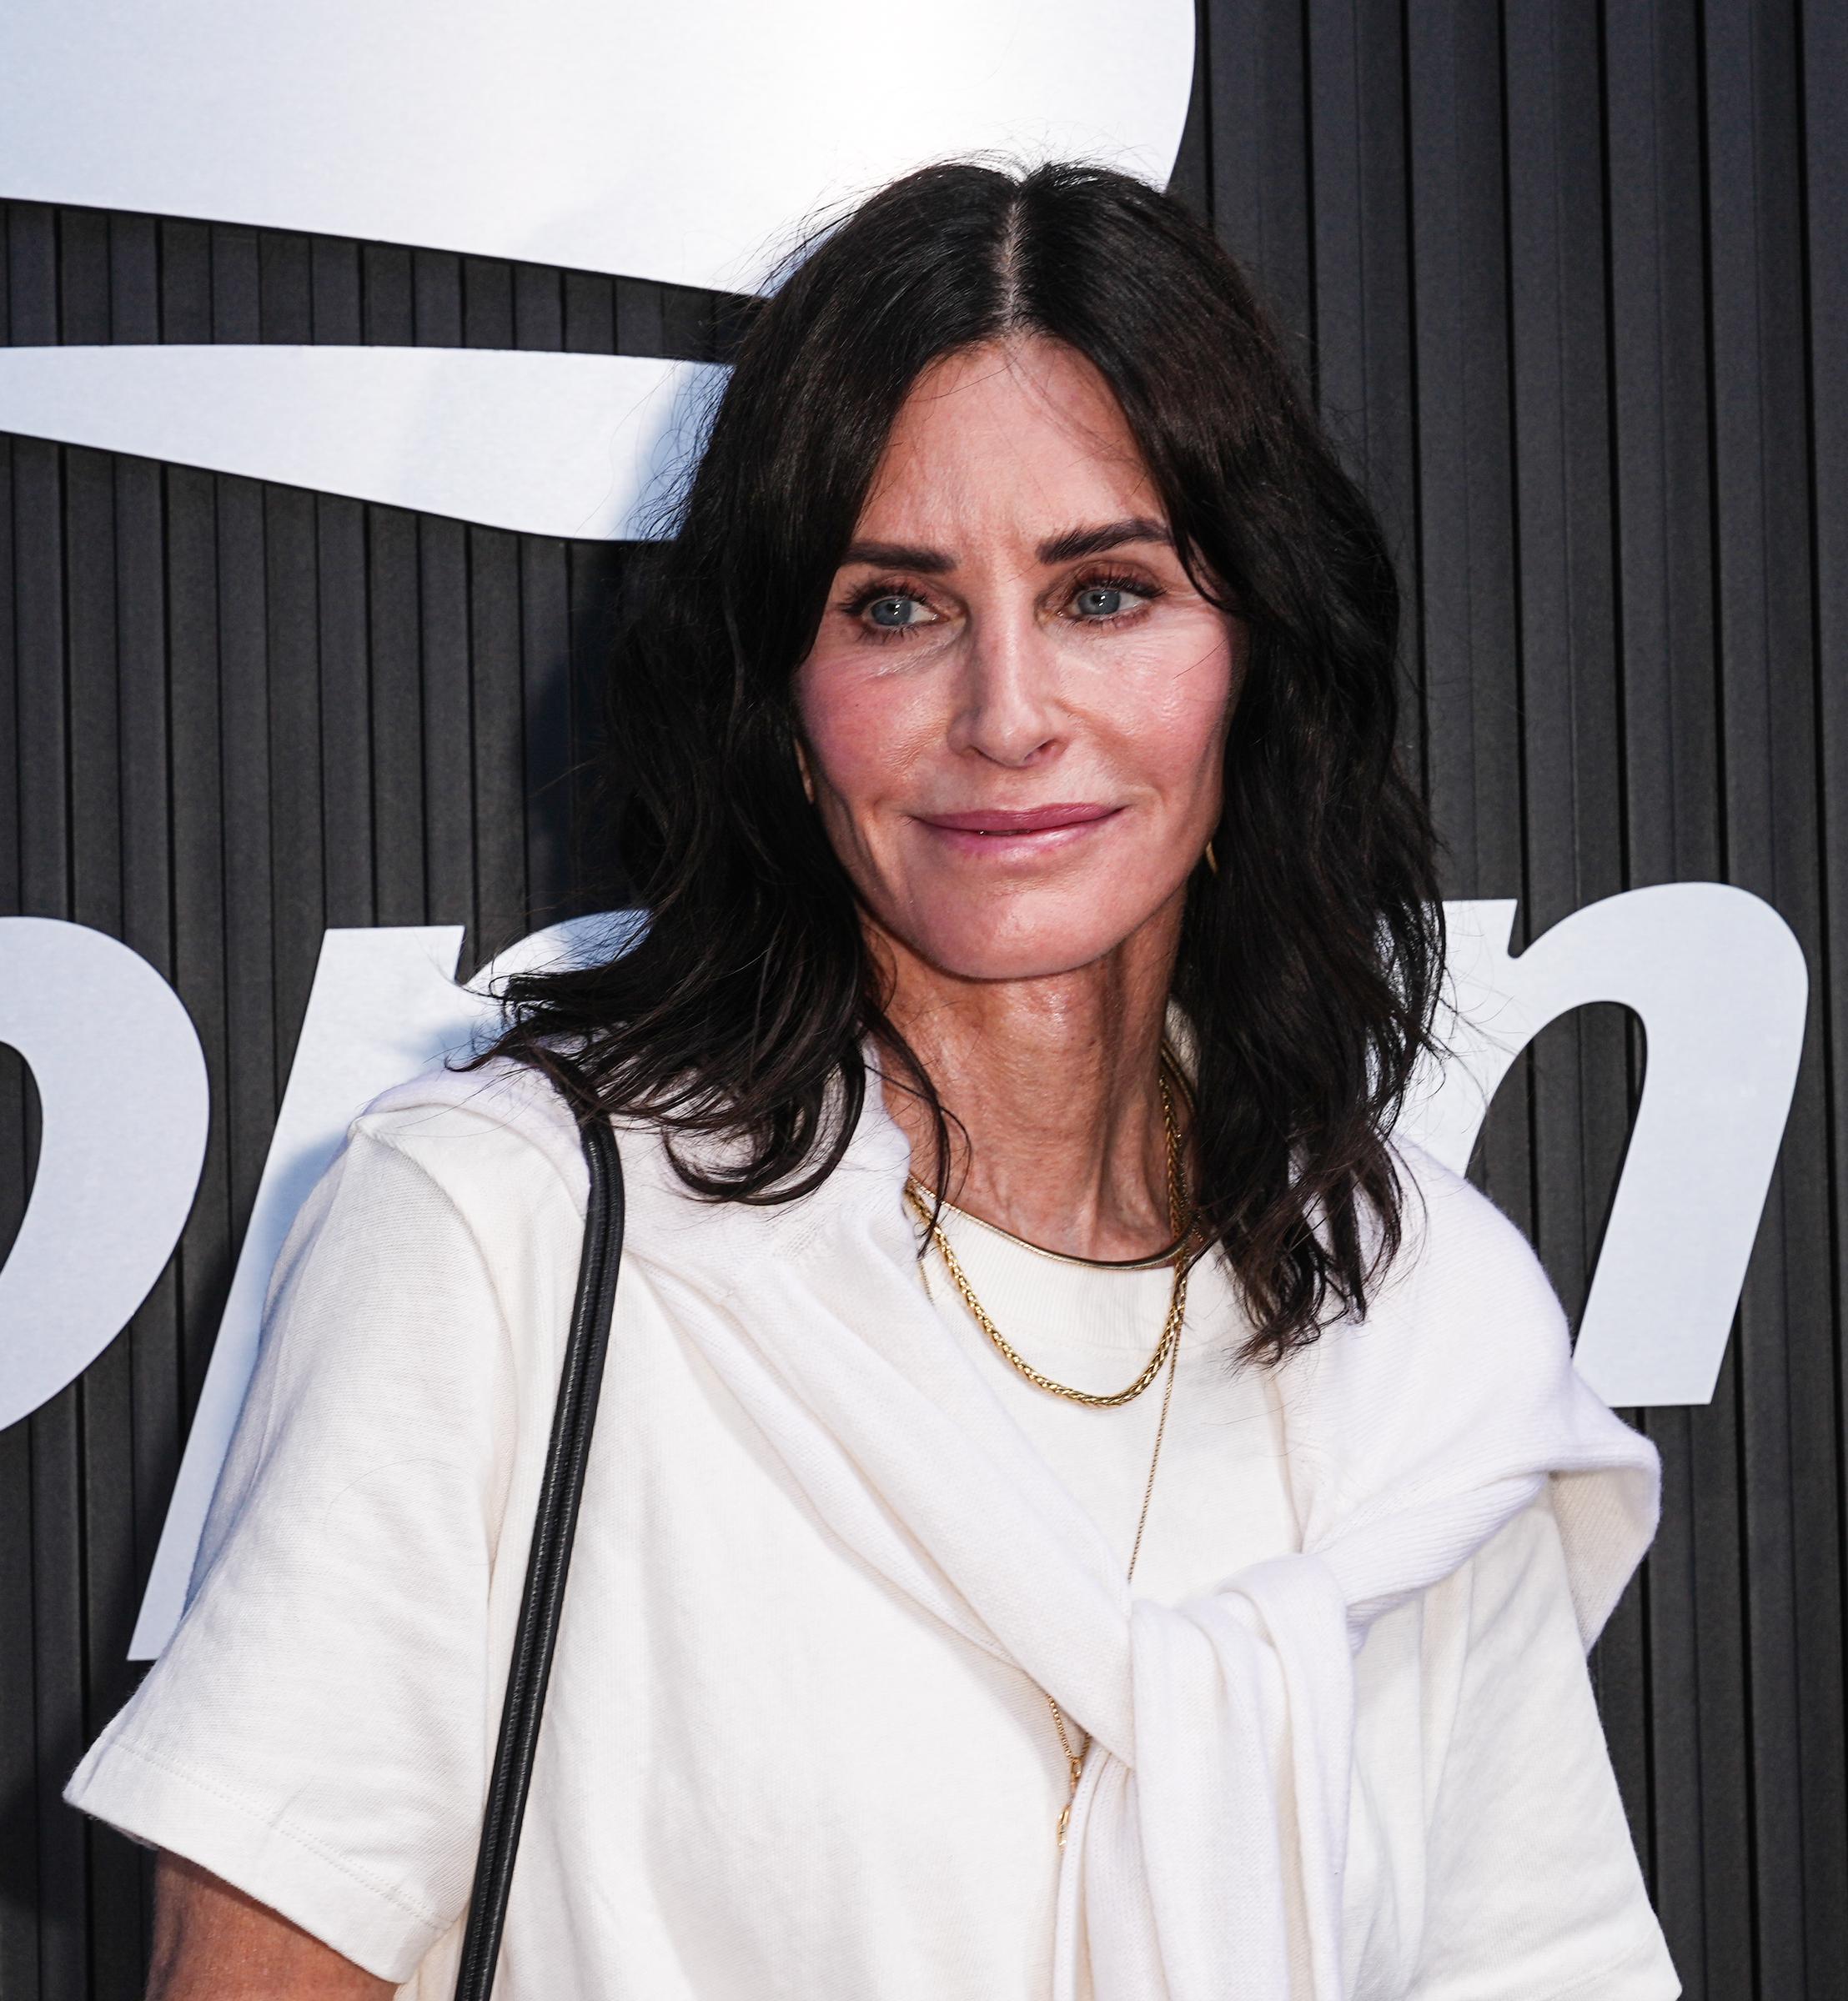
1014, 711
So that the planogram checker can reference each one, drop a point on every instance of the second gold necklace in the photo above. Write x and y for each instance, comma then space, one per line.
1168, 1350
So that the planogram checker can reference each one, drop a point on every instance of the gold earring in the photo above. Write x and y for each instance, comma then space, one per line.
1212, 859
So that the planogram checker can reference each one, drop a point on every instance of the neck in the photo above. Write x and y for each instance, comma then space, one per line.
1052, 1089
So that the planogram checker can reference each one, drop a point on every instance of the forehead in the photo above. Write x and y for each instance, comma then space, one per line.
1021, 438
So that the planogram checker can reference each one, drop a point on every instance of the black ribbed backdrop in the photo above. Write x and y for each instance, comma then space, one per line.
1571, 282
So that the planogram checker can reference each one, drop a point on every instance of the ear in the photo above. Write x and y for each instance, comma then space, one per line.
802, 765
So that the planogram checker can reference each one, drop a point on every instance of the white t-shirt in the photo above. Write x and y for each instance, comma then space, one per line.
764, 1773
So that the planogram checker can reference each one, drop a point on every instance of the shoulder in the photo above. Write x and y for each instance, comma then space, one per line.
1462, 1254
470, 1128
501, 1144
1463, 1339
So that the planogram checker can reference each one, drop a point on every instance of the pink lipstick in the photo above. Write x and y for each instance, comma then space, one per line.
1005, 830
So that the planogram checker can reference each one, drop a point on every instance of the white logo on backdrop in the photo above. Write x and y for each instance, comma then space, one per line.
669, 143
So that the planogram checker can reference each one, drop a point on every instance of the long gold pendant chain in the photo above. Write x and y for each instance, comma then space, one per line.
1074, 1760
1168, 1350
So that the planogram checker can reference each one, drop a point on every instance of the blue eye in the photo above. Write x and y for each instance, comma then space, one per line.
894, 611
1098, 601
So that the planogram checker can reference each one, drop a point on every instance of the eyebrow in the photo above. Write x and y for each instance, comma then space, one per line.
899, 555
1068, 548
1076, 542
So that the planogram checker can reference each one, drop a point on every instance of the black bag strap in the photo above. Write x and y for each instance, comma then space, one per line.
580, 1381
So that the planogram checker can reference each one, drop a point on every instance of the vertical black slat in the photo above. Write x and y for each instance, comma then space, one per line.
1659, 376
146, 901
396, 716
545, 639
386, 280
1466, 538
154, 1336
82, 238
498, 839
198, 890
436, 298
442, 639
245, 788
345, 711
236, 274
595, 761
250, 1104
90, 619
687, 320
546, 654
448, 723
395, 707
1728, 1916
487, 303
191, 594
590, 313
105, 1401
1793, 1555
1567, 594
1823, 60
345, 691
1258, 141
298, 900
1363, 280
640, 328
336, 314
288, 314
495, 843
185, 281
538, 308
286, 294
1466, 529
38, 634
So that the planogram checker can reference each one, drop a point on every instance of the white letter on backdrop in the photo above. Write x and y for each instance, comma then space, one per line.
122, 1089
1719, 981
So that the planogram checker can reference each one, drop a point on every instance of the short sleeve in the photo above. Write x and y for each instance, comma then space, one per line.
1533, 1889
316, 1731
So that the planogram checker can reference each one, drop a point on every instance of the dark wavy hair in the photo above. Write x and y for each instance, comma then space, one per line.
1307, 964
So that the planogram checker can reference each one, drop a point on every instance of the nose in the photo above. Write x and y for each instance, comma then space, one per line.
1009, 711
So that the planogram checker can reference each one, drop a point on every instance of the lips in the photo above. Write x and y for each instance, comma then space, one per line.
1000, 821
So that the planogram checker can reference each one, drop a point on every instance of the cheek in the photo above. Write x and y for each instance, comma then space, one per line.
1168, 708
866, 731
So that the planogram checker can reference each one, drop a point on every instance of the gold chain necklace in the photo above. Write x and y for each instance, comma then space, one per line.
1177, 1305
1168, 1350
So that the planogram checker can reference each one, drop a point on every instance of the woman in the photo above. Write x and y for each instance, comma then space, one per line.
1077, 1508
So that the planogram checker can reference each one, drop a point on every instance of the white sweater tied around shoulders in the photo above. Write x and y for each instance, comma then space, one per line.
1412, 1438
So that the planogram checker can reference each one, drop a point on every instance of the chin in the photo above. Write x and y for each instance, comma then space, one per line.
967, 949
